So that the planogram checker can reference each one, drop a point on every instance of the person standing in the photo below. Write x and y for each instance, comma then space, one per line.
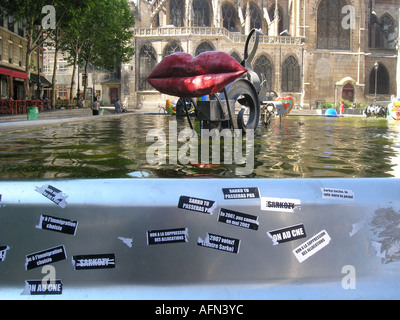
117, 106
96, 107
341, 107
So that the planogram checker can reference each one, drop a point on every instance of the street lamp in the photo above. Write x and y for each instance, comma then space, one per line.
376, 66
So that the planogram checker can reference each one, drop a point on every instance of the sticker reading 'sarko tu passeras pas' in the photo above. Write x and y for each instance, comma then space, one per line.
280, 204
196, 204
287, 234
54, 194
41, 258
218, 242
311, 246
57, 224
238, 219
167, 236
240, 193
94, 261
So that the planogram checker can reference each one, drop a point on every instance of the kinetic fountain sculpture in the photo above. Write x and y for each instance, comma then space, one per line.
225, 81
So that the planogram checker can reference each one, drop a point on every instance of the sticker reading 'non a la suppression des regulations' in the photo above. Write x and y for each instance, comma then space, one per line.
53, 194
94, 261
240, 193
218, 242
40, 287
197, 204
280, 204
312, 246
238, 219
57, 224
287, 234
41, 258
167, 236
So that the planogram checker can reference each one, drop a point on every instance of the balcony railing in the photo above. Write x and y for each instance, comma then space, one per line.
210, 31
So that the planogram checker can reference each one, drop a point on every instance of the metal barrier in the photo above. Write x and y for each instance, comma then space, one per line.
200, 239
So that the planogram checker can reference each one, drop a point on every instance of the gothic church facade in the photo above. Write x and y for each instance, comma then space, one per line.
314, 50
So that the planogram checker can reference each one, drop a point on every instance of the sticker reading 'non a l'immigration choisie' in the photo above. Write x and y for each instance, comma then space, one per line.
240, 193
280, 204
197, 204
57, 224
53, 194
238, 219
312, 246
167, 236
219, 242
94, 261
41, 258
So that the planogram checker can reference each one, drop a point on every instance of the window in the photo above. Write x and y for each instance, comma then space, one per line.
203, 47
171, 48
263, 68
62, 93
147, 62
177, 13
291, 75
228, 17
255, 17
62, 67
385, 34
201, 13
330, 33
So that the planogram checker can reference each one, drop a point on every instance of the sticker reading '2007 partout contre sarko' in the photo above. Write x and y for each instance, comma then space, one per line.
218, 242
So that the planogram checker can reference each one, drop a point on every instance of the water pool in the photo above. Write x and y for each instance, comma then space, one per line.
115, 147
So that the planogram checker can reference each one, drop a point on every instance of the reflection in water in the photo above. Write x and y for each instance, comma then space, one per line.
116, 148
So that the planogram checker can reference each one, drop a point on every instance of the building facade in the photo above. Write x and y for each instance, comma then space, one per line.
13, 78
314, 50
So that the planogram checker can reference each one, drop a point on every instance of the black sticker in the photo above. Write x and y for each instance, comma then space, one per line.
218, 242
3, 251
94, 261
167, 236
57, 224
196, 204
238, 219
240, 193
41, 258
287, 234
40, 287
53, 194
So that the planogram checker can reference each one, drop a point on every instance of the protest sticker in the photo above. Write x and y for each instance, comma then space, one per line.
41, 258
40, 287
280, 204
53, 194
196, 204
338, 194
94, 261
167, 236
238, 219
287, 234
240, 193
3, 251
57, 224
312, 246
218, 242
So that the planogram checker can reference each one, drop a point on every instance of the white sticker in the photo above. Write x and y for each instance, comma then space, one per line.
280, 204
53, 194
127, 241
338, 194
311, 246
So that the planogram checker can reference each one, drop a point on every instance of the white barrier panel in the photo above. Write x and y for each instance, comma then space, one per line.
200, 239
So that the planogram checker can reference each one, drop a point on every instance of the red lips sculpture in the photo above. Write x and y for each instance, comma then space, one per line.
181, 75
